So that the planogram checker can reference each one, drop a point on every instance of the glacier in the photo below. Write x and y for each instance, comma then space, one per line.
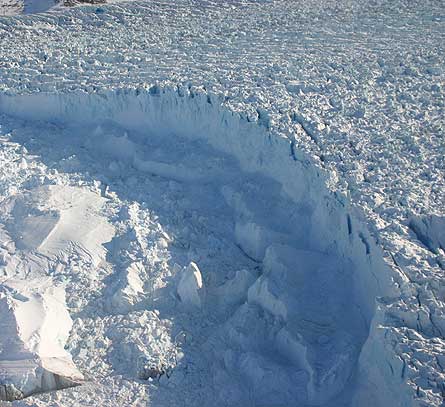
298, 213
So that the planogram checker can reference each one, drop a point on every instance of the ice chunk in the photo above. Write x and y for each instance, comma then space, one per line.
130, 289
176, 172
261, 294
190, 286
254, 239
234, 290
34, 328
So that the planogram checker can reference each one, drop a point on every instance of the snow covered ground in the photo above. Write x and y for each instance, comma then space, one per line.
232, 203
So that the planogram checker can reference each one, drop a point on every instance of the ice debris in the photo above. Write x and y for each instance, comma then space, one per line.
190, 286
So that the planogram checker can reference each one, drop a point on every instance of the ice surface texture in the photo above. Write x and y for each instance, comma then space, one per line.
311, 95
291, 326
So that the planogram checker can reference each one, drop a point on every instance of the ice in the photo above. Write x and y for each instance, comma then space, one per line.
51, 219
34, 330
233, 291
294, 152
190, 287
131, 286
430, 231
254, 239
303, 289
285, 291
45, 224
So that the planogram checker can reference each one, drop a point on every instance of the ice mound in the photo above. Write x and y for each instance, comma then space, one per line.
51, 220
190, 288
34, 328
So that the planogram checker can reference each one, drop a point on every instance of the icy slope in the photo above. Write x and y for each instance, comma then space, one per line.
48, 220
356, 90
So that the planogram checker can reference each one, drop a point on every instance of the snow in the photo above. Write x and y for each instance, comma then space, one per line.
48, 220
292, 152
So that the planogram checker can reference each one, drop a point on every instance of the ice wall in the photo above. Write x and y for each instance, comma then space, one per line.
335, 227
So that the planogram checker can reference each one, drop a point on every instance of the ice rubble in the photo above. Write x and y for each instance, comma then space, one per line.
296, 331
14, 7
17, 7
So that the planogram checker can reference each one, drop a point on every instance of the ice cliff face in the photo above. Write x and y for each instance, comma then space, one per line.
327, 303
349, 135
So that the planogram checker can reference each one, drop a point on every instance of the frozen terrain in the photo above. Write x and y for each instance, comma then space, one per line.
223, 203
18, 7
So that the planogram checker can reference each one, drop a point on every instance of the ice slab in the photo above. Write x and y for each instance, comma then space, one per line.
34, 328
308, 292
190, 286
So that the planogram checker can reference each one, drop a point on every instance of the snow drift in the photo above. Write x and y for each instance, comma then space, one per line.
302, 330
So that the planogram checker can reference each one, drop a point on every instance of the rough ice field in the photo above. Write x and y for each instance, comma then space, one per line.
223, 203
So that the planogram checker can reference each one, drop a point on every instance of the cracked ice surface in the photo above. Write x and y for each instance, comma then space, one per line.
358, 89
